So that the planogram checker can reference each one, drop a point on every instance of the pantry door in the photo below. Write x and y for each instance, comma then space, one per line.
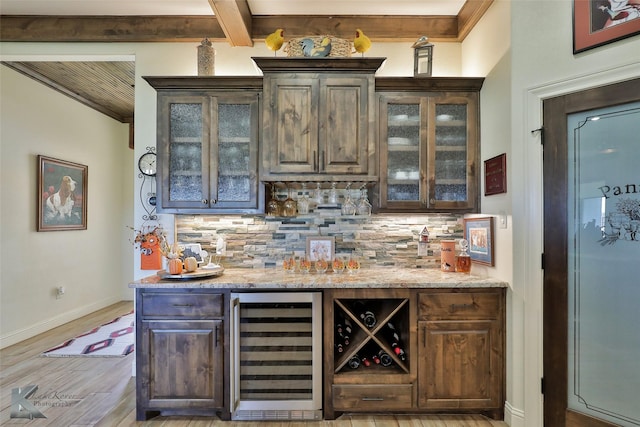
591, 331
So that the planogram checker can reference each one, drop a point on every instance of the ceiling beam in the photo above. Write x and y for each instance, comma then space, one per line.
470, 14
18, 28
234, 17
30, 28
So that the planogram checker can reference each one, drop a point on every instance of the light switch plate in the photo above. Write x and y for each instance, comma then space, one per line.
502, 220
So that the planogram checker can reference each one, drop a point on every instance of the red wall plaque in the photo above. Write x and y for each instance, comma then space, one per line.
495, 175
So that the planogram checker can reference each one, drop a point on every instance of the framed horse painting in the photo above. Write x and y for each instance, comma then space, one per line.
62, 195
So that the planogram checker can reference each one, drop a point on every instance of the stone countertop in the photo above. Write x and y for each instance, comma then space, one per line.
272, 278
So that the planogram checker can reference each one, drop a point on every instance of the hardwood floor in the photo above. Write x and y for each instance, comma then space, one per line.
99, 391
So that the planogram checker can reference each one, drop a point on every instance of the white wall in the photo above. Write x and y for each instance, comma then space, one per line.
543, 65
88, 263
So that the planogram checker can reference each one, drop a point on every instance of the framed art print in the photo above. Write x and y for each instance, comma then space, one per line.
62, 195
320, 248
598, 22
479, 234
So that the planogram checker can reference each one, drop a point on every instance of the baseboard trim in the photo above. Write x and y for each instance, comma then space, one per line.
513, 416
15, 337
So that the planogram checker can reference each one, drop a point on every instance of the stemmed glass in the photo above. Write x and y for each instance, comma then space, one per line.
289, 207
364, 207
348, 207
333, 194
318, 197
273, 205
303, 201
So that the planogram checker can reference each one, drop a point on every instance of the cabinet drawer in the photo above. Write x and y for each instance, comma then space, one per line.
177, 305
463, 305
372, 397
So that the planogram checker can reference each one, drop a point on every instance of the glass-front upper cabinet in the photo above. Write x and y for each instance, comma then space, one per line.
428, 152
452, 156
208, 153
403, 159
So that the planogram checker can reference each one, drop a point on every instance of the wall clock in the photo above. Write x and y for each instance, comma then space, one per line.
147, 164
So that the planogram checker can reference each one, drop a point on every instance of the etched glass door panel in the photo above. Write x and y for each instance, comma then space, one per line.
603, 254
403, 145
450, 152
185, 154
234, 143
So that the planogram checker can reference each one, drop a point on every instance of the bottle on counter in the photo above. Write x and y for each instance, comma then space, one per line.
364, 314
463, 260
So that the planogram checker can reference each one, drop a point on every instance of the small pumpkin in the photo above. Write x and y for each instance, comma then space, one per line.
190, 264
175, 266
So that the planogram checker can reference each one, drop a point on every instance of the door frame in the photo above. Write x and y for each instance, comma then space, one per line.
555, 288
526, 369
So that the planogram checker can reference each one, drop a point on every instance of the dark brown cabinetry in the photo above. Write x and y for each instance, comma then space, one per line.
319, 119
429, 150
453, 342
374, 387
180, 338
461, 350
207, 144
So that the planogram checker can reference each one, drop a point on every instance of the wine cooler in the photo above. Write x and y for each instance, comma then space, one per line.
276, 356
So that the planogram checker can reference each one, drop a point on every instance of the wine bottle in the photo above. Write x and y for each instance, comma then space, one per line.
366, 362
385, 359
347, 331
343, 330
339, 347
366, 316
394, 341
375, 359
354, 362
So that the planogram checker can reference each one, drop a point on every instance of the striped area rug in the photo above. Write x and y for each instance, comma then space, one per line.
112, 339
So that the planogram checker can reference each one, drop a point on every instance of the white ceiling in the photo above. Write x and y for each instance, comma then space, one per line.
258, 7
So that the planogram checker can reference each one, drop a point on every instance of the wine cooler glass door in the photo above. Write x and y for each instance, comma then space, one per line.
276, 360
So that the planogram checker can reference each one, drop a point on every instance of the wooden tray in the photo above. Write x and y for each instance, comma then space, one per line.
199, 273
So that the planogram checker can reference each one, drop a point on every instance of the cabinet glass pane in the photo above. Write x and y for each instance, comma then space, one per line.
185, 152
234, 139
451, 152
403, 159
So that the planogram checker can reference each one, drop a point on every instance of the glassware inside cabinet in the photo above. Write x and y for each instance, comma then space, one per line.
451, 152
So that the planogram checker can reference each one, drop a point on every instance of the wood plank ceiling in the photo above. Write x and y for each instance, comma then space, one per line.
108, 87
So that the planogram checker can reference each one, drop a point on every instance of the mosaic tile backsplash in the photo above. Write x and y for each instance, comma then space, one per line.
379, 240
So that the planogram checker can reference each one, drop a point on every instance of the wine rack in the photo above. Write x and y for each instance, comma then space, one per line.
365, 342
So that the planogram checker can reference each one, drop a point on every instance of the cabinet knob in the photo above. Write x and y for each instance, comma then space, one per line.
205, 201
432, 201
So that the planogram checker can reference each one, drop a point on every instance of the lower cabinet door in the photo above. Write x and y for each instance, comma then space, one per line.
459, 365
184, 368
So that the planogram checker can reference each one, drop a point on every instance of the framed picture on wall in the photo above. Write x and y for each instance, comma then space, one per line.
598, 22
320, 248
62, 195
479, 234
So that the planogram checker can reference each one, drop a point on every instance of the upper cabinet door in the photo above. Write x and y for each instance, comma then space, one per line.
344, 120
428, 151
453, 151
235, 158
208, 153
183, 148
291, 125
403, 152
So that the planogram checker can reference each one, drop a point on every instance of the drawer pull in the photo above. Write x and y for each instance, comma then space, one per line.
373, 399
183, 305
463, 307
